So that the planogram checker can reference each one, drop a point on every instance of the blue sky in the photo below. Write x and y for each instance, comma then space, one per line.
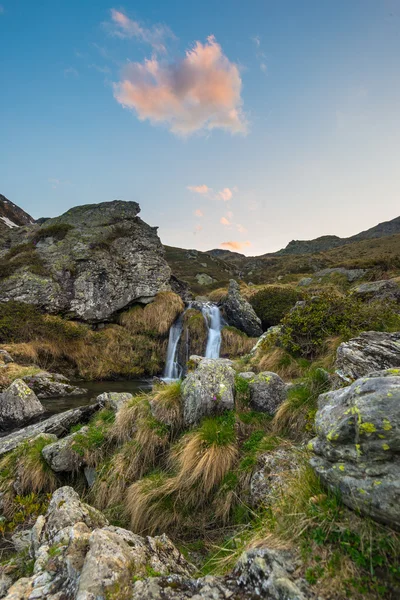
251, 123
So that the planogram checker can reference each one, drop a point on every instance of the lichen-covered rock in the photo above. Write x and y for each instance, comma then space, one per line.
208, 390
239, 313
52, 385
358, 444
350, 274
6, 357
61, 457
78, 556
271, 475
370, 351
114, 400
378, 290
267, 391
97, 260
18, 404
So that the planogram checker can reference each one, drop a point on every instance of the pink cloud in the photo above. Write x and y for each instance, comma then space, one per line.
225, 194
124, 27
224, 221
198, 213
199, 189
201, 91
235, 245
241, 229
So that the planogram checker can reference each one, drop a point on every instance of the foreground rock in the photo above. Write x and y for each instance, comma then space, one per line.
18, 404
59, 425
370, 351
79, 556
358, 445
267, 391
208, 390
95, 260
239, 313
271, 475
52, 385
378, 290
60, 455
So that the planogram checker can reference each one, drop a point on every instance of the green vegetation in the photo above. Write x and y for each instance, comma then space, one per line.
272, 303
58, 231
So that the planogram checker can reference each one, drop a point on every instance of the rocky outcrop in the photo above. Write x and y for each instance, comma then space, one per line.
12, 216
52, 385
350, 274
378, 290
18, 404
358, 445
208, 390
370, 351
267, 391
78, 556
57, 424
95, 260
239, 313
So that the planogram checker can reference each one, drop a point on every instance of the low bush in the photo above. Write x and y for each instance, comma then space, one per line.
58, 231
272, 303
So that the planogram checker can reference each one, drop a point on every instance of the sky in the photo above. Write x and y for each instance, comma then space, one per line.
235, 124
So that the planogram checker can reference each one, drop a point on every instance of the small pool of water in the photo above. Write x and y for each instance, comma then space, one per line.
57, 405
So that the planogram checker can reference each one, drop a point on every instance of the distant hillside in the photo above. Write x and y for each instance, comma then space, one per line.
328, 242
12, 215
226, 255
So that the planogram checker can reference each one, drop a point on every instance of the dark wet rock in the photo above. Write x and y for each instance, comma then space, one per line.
208, 390
52, 385
378, 290
59, 425
96, 260
18, 404
357, 446
239, 313
370, 351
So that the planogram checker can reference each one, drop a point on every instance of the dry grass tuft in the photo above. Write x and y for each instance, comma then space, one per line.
235, 343
279, 361
155, 318
166, 404
218, 295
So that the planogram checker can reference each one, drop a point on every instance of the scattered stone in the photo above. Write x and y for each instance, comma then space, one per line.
378, 290
358, 444
270, 475
114, 400
208, 390
267, 391
305, 281
370, 351
6, 357
268, 336
204, 279
350, 274
52, 385
61, 457
239, 313
18, 404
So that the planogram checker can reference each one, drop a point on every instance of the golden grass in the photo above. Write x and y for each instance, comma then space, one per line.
156, 317
126, 420
217, 295
235, 343
166, 404
12, 371
278, 361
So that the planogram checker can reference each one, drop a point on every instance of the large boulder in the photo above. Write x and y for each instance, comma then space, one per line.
267, 391
60, 455
378, 290
18, 404
52, 385
357, 446
208, 390
90, 263
239, 313
80, 557
370, 351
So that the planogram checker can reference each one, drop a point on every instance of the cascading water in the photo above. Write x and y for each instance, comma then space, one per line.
212, 316
173, 369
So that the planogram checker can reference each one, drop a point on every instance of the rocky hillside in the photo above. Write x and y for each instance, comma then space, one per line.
12, 216
89, 263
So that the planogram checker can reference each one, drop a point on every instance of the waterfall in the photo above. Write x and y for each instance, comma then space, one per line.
173, 369
212, 316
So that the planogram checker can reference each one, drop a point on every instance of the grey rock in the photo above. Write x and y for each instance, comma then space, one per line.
52, 385
61, 457
239, 313
378, 290
21, 540
58, 425
114, 400
370, 351
106, 261
6, 357
5, 584
90, 475
18, 404
350, 274
204, 279
267, 391
305, 281
358, 445
208, 390
271, 475
267, 337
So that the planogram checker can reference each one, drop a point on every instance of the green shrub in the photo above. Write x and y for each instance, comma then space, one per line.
273, 302
307, 327
23, 255
58, 231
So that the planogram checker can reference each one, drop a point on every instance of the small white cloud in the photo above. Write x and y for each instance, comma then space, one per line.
224, 221
199, 189
225, 194
124, 27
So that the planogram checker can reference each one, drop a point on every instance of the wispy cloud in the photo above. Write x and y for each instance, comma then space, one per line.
124, 27
199, 189
198, 213
260, 55
224, 221
199, 92
71, 72
241, 229
55, 183
235, 246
